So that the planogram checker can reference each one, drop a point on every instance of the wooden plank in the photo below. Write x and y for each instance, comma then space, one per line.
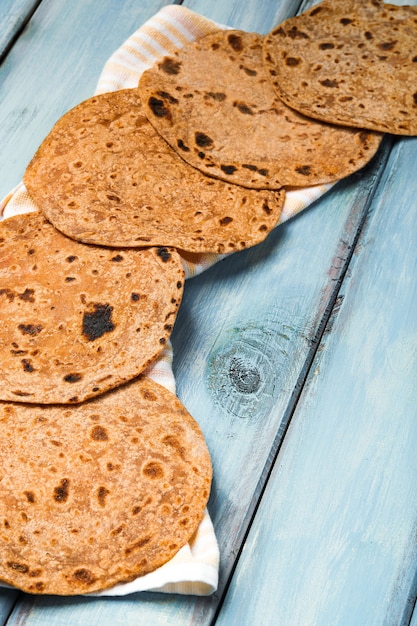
144, 609
248, 329
414, 618
14, 14
333, 542
258, 16
8, 598
54, 65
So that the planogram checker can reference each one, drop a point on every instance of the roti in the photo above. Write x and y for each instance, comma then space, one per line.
98, 493
76, 320
103, 175
213, 103
349, 62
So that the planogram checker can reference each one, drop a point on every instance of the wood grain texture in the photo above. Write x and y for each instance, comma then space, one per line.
244, 339
8, 598
414, 617
14, 14
253, 16
335, 533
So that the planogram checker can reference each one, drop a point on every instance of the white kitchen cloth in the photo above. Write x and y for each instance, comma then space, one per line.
194, 569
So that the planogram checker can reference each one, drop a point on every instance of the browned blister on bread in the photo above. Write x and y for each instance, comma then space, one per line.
98, 493
213, 103
76, 320
103, 175
350, 62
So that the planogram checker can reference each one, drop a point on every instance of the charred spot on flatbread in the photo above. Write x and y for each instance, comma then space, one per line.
65, 341
97, 321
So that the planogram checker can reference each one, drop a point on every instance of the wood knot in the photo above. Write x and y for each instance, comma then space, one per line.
242, 372
246, 378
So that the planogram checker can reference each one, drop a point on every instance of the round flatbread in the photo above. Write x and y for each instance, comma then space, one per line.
349, 62
103, 175
76, 320
212, 101
98, 493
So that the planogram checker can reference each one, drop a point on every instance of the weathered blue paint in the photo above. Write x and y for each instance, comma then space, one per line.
334, 540
14, 14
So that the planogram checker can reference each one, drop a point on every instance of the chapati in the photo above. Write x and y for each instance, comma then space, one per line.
99, 493
76, 319
350, 62
213, 103
103, 175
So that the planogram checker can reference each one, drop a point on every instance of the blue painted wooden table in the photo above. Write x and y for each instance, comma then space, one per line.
314, 498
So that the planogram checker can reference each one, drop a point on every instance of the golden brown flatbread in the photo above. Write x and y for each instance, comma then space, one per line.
351, 62
104, 176
76, 320
98, 493
212, 101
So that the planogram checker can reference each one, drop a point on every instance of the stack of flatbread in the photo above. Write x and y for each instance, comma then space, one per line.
104, 474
